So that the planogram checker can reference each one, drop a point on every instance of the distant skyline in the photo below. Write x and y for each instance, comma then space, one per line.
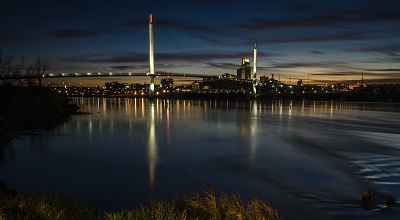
316, 41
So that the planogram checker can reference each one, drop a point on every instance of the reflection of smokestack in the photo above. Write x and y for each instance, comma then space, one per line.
362, 78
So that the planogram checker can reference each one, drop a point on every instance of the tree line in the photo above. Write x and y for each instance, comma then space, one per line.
17, 74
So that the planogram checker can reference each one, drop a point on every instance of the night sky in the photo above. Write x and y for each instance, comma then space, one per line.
317, 41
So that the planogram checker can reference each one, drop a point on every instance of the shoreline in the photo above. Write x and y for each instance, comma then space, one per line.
344, 97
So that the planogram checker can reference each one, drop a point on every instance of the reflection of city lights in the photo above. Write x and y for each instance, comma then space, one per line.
253, 129
90, 130
272, 106
168, 125
152, 146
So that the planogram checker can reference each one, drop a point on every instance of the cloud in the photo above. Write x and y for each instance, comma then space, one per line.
374, 81
384, 70
73, 33
226, 66
123, 67
343, 73
390, 50
127, 58
134, 24
185, 57
186, 26
358, 73
380, 74
316, 52
331, 64
325, 16
316, 21
316, 37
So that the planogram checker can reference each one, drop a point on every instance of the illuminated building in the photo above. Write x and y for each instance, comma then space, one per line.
114, 85
263, 79
195, 86
167, 83
244, 72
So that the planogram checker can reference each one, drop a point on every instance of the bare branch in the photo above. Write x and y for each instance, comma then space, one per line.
5, 69
41, 65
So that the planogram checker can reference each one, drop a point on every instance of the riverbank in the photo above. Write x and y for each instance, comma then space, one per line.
26, 109
188, 206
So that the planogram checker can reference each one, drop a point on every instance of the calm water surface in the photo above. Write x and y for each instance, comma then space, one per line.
310, 160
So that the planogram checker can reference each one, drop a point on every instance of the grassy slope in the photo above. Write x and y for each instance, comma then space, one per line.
190, 206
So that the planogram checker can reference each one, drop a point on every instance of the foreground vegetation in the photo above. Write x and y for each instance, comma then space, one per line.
189, 206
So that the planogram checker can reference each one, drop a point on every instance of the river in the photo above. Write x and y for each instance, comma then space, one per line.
309, 160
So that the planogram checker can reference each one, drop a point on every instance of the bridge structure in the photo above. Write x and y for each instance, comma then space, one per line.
152, 74
124, 74
95, 75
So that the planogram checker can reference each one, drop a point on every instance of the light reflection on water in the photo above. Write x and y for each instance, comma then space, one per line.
309, 159
152, 148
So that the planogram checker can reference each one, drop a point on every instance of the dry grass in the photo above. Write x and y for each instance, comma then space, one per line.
190, 206
42, 206
211, 206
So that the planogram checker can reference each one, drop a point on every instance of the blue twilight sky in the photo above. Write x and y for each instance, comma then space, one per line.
317, 41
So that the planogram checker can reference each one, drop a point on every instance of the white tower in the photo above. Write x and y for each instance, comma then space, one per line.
151, 57
255, 70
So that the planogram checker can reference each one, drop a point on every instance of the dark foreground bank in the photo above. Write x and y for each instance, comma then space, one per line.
25, 109
188, 206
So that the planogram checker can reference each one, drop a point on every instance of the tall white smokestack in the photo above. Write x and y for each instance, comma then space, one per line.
255, 70
255, 62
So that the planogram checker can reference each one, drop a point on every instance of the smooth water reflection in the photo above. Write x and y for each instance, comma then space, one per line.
311, 160
152, 147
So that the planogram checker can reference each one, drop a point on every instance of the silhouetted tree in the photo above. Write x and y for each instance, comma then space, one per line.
30, 74
5, 69
17, 73
41, 65
36, 70
11, 74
